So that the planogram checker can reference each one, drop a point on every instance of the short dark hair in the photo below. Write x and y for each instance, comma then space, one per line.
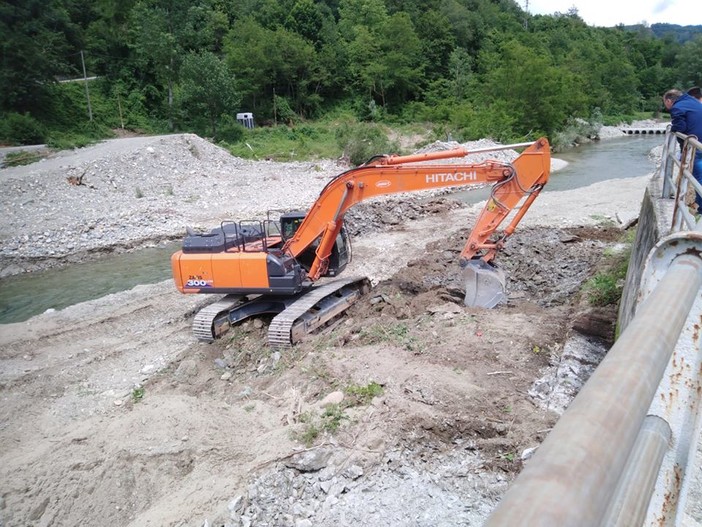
672, 95
696, 92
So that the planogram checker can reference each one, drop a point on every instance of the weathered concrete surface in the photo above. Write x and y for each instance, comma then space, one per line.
655, 221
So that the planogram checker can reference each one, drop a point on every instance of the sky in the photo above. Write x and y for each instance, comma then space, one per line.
609, 13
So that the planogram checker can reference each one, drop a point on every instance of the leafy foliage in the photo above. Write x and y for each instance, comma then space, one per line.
475, 67
605, 287
34, 51
22, 129
360, 142
207, 90
363, 394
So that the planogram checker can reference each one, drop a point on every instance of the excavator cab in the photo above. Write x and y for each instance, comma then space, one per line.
341, 251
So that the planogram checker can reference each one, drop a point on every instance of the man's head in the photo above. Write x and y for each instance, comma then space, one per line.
695, 92
670, 97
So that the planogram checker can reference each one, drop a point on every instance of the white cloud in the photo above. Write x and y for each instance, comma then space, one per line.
612, 12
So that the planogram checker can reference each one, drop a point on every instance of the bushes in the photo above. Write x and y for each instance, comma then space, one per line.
575, 132
22, 129
230, 131
284, 143
362, 141
64, 122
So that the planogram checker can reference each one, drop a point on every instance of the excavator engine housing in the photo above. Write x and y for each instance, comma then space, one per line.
247, 257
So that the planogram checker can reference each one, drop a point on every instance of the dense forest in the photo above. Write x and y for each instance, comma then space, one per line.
477, 68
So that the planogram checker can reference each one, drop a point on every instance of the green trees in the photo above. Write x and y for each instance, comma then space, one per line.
269, 62
385, 59
539, 95
34, 50
478, 67
207, 90
157, 40
689, 63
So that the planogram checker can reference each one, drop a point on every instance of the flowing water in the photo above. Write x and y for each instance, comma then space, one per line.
594, 162
24, 296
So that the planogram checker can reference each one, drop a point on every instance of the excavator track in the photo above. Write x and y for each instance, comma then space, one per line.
313, 310
296, 316
212, 321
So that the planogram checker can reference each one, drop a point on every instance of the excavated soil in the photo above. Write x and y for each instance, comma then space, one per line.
411, 410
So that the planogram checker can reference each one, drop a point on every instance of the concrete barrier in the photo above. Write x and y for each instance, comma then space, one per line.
655, 220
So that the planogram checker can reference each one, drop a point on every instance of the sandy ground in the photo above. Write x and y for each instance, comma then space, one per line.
113, 415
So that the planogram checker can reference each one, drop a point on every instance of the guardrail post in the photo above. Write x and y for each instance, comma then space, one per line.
629, 504
667, 165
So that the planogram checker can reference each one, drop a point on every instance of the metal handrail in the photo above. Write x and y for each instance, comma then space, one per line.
676, 173
619, 453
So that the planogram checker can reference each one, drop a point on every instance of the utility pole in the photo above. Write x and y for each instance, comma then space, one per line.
119, 105
275, 116
87, 91
526, 19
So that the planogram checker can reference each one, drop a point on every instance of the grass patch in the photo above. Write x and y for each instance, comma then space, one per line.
288, 143
138, 394
602, 289
329, 422
606, 286
398, 334
363, 394
333, 416
326, 139
23, 157
69, 141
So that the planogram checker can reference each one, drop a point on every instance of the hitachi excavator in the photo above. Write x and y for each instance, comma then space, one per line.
285, 266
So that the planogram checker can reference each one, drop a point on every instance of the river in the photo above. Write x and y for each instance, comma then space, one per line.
24, 296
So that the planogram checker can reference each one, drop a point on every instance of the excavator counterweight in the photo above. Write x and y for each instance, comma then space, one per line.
284, 265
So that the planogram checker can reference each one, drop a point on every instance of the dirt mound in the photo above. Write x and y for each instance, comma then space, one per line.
546, 266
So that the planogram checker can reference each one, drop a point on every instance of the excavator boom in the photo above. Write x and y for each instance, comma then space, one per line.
394, 174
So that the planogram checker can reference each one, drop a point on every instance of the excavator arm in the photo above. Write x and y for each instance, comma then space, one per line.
512, 182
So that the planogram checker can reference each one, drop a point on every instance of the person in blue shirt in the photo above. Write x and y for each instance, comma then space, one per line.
686, 118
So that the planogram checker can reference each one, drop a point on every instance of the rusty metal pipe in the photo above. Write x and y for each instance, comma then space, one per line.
629, 505
575, 472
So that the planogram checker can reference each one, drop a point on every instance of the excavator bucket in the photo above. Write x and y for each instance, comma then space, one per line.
485, 284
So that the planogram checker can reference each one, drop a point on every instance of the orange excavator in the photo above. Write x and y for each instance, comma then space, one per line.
281, 266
